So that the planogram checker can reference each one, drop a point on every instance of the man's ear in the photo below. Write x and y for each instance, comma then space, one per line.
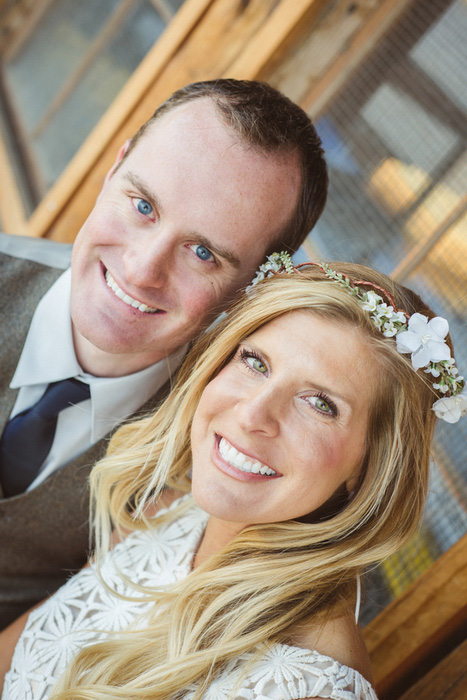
121, 153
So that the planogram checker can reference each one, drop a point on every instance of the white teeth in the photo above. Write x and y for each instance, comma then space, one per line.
111, 283
239, 460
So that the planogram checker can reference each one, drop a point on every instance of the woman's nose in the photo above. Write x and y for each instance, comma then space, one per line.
259, 412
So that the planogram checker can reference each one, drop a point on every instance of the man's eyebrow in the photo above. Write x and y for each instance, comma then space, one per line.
218, 250
215, 248
142, 187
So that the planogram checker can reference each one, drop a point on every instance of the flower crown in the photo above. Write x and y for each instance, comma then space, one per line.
424, 339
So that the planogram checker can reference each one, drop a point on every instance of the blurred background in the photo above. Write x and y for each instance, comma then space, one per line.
384, 81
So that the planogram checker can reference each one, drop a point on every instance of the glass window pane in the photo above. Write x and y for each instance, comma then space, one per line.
67, 73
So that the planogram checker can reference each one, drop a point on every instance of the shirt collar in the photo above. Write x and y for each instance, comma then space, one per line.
40, 363
113, 398
117, 398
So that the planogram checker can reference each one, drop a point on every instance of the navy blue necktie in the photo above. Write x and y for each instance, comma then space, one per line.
28, 437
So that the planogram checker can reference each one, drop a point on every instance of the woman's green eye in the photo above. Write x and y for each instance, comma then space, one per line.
322, 405
260, 366
253, 361
257, 364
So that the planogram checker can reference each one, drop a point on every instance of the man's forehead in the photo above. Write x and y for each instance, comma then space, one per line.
199, 123
190, 151
194, 116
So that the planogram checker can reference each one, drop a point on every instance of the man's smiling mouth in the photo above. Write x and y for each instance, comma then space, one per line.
245, 464
111, 283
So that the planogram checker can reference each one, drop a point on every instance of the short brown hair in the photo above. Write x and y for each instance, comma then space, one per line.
269, 121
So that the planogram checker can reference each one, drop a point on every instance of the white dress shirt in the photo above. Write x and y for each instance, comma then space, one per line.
49, 356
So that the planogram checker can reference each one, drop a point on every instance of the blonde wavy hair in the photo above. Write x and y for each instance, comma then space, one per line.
271, 577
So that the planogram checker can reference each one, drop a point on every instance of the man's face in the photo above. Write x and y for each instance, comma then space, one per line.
178, 228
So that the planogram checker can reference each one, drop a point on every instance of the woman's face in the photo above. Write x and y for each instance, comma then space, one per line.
283, 426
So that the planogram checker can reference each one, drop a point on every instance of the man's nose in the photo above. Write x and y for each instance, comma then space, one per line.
259, 411
149, 259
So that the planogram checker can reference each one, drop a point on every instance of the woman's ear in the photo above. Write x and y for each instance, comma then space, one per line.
351, 486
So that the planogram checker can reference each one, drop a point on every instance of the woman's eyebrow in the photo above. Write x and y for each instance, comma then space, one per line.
333, 393
219, 250
250, 345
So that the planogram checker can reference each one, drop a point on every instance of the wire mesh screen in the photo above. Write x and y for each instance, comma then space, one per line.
395, 141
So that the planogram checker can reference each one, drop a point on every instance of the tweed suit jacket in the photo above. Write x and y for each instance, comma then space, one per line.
44, 533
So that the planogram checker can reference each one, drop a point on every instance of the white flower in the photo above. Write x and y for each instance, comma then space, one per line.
433, 371
273, 264
372, 301
385, 310
389, 329
400, 316
452, 408
425, 340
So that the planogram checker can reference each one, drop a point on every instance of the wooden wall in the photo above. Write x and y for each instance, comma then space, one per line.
421, 635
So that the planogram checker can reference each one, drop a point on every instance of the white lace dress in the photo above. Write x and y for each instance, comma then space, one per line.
82, 611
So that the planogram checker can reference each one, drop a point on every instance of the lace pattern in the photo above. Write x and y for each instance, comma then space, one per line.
83, 612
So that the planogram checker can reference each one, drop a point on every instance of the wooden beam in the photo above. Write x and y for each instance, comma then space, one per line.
421, 626
446, 681
352, 54
269, 44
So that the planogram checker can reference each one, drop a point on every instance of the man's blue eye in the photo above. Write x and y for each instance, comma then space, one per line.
144, 207
202, 252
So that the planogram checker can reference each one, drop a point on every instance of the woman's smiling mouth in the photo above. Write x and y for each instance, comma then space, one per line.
242, 462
